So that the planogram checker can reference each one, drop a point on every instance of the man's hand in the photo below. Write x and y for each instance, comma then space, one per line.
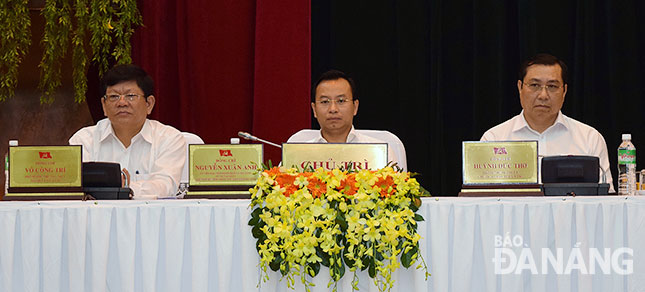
125, 178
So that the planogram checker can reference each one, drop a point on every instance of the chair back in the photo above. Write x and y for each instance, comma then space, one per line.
303, 136
190, 139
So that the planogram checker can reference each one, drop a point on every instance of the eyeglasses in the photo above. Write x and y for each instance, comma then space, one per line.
116, 97
550, 88
343, 101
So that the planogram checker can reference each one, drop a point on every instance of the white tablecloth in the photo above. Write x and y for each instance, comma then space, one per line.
202, 245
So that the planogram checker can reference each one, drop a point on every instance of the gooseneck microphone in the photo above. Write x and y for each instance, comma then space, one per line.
250, 137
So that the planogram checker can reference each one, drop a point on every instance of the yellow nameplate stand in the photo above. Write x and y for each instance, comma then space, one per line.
44, 173
334, 155
504, 168
223, 171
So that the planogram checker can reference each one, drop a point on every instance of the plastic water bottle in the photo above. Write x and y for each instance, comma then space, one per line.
6, 166
627, 167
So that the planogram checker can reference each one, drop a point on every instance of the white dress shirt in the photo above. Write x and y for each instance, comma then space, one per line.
154, 159
352, 137
565, 137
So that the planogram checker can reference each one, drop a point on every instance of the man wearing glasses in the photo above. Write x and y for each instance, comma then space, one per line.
152, 154
334, 102
542, 87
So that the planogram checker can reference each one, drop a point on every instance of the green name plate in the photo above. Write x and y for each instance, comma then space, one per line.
44, 166
512, 162
226, 164
334, 155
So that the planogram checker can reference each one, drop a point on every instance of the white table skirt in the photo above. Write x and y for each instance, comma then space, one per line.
206, 245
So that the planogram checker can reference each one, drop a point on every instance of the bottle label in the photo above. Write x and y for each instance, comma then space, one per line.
626, 156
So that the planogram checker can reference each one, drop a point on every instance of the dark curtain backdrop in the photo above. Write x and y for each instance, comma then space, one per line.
440, 72
226, 66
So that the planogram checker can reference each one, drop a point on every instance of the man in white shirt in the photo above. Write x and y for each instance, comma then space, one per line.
542, 86
152, 154
334, 104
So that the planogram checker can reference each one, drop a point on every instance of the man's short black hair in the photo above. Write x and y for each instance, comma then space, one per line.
128, 72
543, 59
334, 75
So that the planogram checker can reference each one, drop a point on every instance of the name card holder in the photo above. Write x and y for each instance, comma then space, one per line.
223, 171
500, 168
334, 155
45, 173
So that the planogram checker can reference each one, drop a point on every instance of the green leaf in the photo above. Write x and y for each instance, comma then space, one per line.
258, 243
256, 212
255, 217
423, 192
418, 217
340, 268
16, 39
372, 269
254, 221
408, 257
275, 263
366, 260
399, 245
378, 255
284, 268
314, 269
257, 231
413, 206
308, 167
349, 262
274, 266
323, 255
340, 220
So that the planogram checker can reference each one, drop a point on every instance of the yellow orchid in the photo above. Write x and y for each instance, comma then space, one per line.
335, 218
301, 181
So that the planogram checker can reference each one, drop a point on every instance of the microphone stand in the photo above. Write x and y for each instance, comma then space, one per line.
250, 137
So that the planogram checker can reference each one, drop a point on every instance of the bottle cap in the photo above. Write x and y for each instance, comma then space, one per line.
627, 136
13, 142
235, 140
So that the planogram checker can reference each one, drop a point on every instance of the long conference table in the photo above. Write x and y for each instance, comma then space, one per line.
469, 244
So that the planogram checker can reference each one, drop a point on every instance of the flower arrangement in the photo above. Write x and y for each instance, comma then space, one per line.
346, 221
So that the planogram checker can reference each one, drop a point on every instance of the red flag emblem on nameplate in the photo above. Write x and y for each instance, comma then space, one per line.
225, 153
501, 150
45, 155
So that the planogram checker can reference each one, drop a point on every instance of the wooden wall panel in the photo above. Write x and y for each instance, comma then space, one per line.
24, 118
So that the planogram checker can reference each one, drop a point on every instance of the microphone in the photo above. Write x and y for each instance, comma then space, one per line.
248, 136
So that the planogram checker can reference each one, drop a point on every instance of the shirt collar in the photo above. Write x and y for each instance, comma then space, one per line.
353, 135
146, 131
107, 131
521, 122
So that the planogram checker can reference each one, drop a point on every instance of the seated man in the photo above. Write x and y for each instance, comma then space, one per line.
335, 103
152, 154
542, 86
